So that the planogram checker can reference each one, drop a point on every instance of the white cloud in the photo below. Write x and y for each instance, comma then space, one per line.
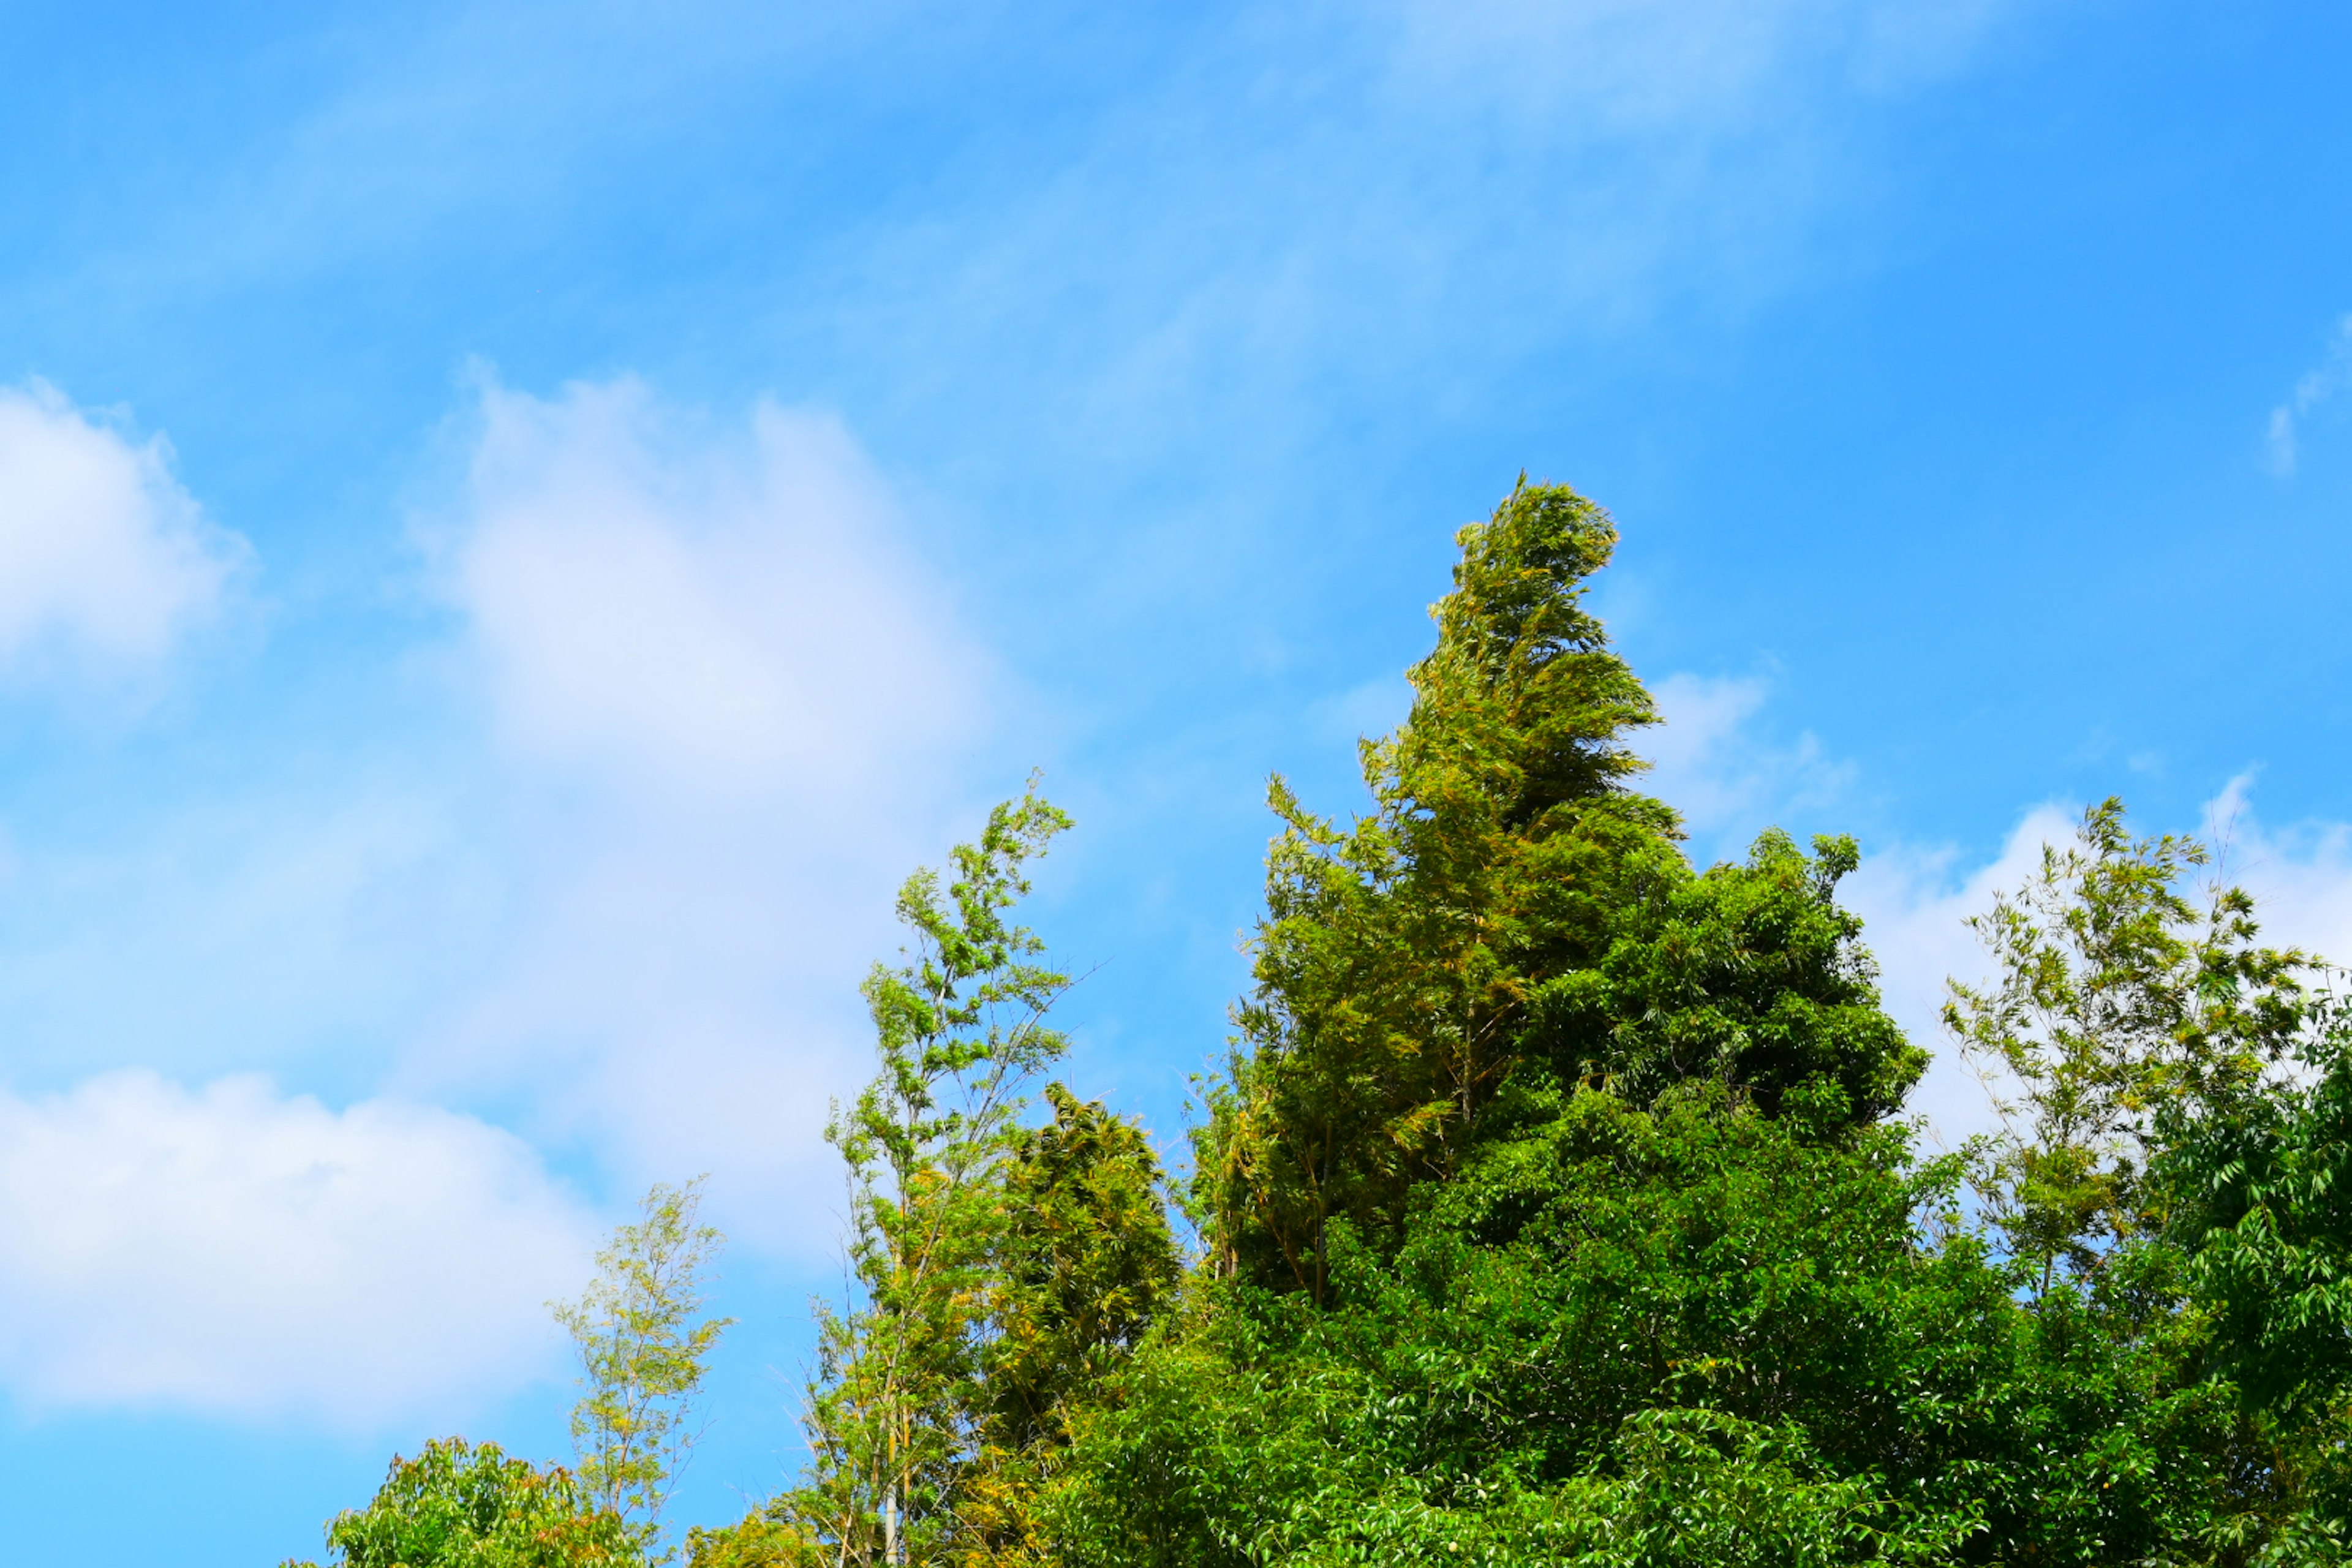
730, 612
2300, 875
229, 1250
1914, 904
733, 709
2317, 385
722, 710
1729, 783
105, 561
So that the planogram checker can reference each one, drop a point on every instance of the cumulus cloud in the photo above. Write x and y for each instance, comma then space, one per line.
1915, 903
731, 702
105, 561
2318, 385
227, 1250
2300, 874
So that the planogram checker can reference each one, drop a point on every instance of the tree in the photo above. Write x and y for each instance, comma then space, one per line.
2259, 1189
1557, 1210
960, 1028
1512, 913
1395, 965
1544, 1161
2262, 1189
1084, 1264
1749, 975
2117, 1001
644, 1348
458, 1506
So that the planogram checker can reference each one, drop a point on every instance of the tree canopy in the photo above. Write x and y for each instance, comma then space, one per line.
1555, 1202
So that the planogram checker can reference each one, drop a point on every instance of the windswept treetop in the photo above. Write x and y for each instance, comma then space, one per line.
1397, 953
1512, 910
1520, 712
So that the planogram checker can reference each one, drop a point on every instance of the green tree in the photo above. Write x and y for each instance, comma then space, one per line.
1084, 1263
1397, 956
643, 1345
960, 1028
459, 1506
1543, 1161
1510, 912
2259, 1189
1749, 975
1557, 1208
1557, 1215
1697, 1293
2115, 999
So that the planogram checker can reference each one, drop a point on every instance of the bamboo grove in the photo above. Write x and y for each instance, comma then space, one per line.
1557, 1203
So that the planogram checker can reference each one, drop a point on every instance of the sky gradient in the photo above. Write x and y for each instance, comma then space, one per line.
519, 524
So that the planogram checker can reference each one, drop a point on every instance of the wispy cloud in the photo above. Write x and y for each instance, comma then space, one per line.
1360, 202
727, 709
1638, 65
1712, 761
1232, 201
105, 562
2320, 385
720, 611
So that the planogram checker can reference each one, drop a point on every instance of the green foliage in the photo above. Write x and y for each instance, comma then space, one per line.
1548, 1304
764, 1538
2116, 1001
2259, 1181
1511, 906
960, 1031
1397, 956
1556, 1208
2264, 1201
1006, 1271
1564, 1294
1781, 1274
644, 1348
1749, 975
456, 1506
1555, 1213
1085, 1262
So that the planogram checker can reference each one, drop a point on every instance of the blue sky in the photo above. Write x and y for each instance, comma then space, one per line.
519, 524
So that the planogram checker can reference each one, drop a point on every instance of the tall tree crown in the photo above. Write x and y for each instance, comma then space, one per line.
1394, 965
1522, 708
